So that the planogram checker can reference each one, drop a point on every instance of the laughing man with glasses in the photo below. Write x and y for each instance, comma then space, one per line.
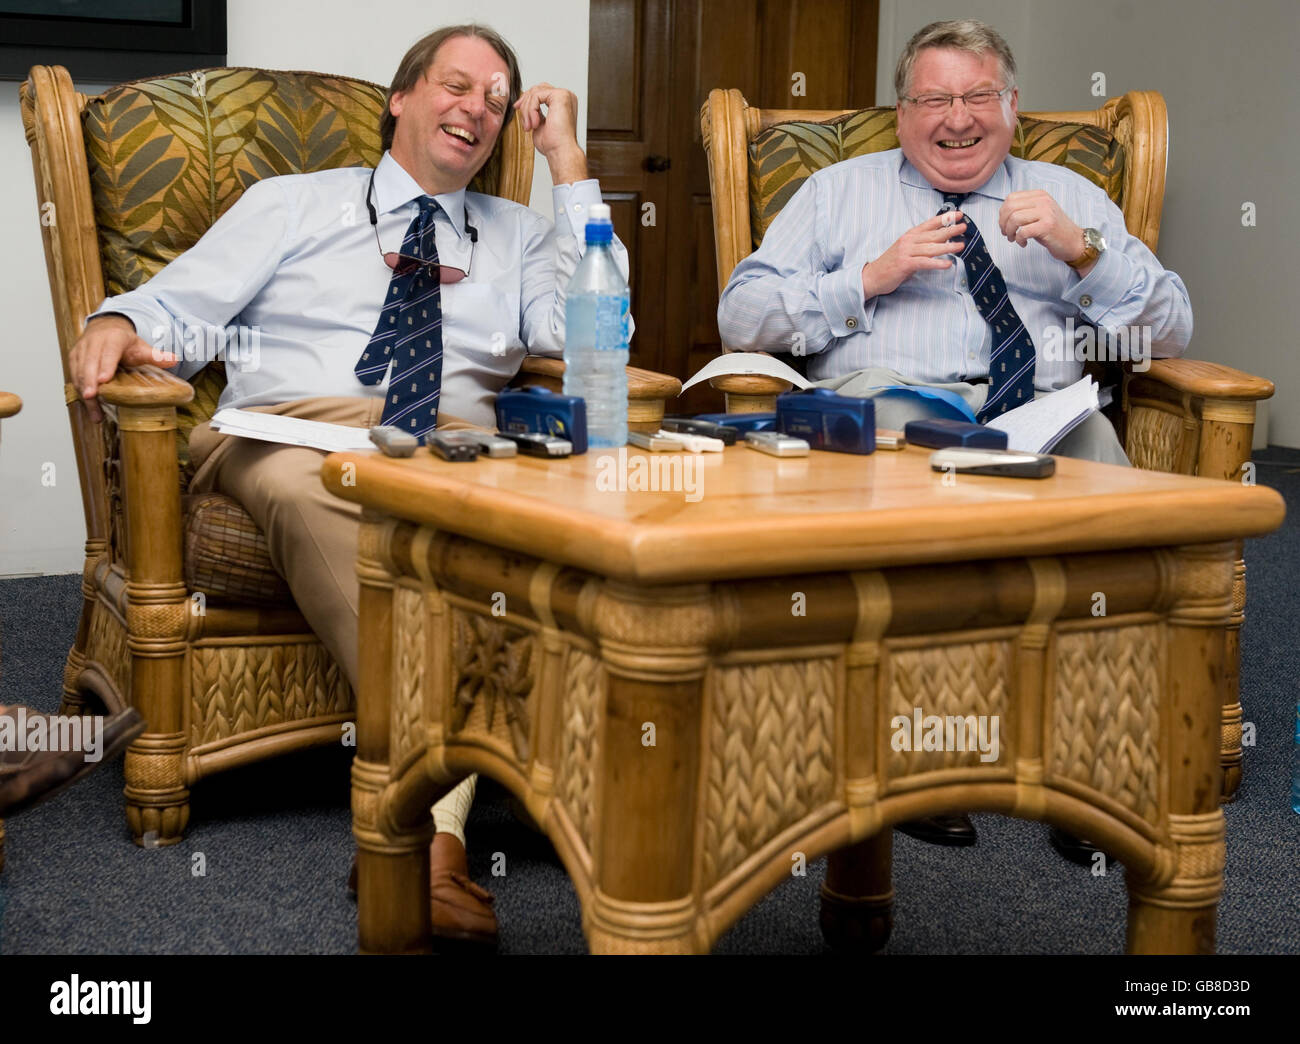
322, 264
947, 263
881, 263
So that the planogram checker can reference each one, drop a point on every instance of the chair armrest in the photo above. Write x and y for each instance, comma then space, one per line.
9, 404
1207, 379
749, 384
1191, 417
142, 475
146, 386
641, 384
750, 392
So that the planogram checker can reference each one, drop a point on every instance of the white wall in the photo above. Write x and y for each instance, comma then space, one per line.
1227, 74
41, 526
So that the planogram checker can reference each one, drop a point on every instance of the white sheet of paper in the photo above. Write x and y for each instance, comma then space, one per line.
748, 363
1037, 426
291, 431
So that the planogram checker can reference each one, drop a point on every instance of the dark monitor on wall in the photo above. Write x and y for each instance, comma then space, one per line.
108, 41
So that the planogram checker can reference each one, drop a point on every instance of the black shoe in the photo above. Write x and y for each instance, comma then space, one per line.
955, 831
1075, 849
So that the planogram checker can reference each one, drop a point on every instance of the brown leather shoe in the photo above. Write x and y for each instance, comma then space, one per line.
459, 908
28, 777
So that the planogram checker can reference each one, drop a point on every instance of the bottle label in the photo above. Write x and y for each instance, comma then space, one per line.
611, 323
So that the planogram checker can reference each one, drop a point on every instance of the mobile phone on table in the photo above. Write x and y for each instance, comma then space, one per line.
776, 444
535, 444
1002, 463
453, 445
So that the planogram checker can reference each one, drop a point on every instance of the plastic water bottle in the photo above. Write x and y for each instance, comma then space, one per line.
596, 333
1295, 765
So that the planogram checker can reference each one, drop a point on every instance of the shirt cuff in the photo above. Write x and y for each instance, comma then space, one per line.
572, 203
841, 298
1103, 288
134, 320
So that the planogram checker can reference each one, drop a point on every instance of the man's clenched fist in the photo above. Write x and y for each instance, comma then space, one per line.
1034, 214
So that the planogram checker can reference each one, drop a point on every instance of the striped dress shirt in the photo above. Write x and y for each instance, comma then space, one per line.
801, 291
295, 261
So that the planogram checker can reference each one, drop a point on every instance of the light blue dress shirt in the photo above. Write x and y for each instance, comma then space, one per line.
291, 279
802, 289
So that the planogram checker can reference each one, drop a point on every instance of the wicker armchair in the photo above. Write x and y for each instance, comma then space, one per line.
1181, 415
183, 615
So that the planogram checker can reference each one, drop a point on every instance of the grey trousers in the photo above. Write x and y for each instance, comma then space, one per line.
1094, 439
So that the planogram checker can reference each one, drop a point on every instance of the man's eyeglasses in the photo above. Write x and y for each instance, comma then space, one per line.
984, 98
405, 264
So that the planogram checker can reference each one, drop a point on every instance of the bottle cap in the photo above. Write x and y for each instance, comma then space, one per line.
600, 228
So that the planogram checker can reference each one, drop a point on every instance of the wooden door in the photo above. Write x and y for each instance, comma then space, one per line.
652, 63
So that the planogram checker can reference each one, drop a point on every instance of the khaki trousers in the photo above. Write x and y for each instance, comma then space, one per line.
312, 534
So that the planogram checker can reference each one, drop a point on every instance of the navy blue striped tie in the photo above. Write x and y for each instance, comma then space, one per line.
409, 332
1011, 359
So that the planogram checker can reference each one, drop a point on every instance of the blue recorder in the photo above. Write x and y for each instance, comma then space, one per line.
538, 410
827, 421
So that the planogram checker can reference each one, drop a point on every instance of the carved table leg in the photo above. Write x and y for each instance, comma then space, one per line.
857, 897
392, 864
1175, 910
392, 873
653, 646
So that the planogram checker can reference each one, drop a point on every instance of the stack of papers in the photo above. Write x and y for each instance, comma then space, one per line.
291, 431
1038, 426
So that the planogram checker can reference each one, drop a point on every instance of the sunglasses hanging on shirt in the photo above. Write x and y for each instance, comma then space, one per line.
402, 264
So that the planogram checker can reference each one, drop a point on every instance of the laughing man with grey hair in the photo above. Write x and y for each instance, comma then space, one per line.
949, 263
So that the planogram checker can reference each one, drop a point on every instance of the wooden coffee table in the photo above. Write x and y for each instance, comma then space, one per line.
693, 692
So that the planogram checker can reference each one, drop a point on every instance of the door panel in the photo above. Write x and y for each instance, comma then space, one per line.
652, 64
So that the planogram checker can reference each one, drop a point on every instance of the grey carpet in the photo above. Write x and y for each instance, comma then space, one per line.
275, 838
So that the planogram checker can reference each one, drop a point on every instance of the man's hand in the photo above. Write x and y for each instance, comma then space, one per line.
916, 250
555, 132
106, 343
1033, 214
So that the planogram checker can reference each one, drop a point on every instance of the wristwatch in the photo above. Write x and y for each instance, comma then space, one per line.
1093, 245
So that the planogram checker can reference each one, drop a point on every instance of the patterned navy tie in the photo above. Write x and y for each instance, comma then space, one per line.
409, 332
1011, 360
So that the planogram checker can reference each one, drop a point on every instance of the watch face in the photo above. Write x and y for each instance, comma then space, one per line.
1092, 239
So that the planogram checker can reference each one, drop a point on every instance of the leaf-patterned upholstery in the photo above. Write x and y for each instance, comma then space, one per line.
169, 156
166, 158
782, 157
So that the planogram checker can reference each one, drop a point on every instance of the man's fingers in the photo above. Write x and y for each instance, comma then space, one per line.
141, 353
937, 249
940, 234
944, 220
1031, 231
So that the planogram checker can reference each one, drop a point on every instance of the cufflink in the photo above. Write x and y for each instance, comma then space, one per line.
851, 323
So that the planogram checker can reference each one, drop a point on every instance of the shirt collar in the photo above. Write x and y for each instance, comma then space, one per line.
997, 186
395, 188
